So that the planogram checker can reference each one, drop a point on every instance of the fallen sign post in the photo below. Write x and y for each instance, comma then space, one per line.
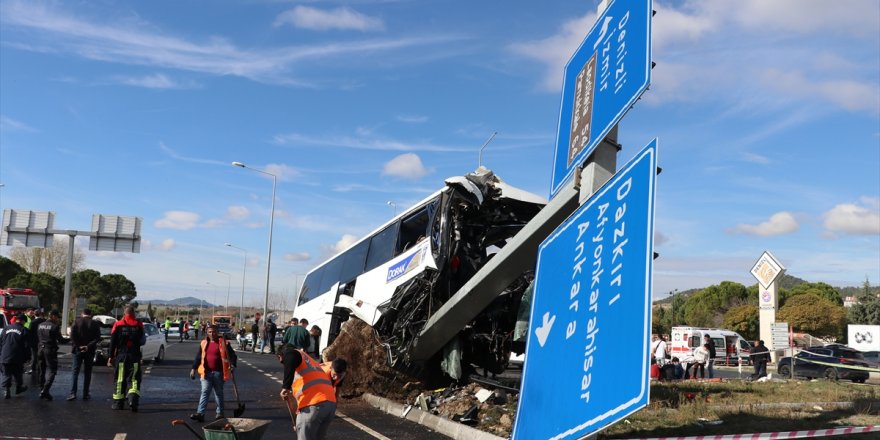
587, 359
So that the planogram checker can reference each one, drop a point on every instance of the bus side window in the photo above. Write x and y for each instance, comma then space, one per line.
412, 229
382, 247
310, 287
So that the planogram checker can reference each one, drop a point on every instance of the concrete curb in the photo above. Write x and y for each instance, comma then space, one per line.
443, 426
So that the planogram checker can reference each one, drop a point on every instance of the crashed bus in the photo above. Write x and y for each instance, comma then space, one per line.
398, 275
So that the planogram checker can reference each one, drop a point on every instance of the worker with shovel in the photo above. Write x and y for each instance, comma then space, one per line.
315, 387
214, 362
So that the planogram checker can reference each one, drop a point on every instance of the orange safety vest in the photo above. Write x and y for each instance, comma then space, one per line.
312, 384
223, 358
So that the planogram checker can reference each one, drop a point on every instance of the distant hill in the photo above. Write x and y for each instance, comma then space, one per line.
187, 301
787, 282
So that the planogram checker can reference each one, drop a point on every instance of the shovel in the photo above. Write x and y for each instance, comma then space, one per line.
181, 422
289, 402
240, 410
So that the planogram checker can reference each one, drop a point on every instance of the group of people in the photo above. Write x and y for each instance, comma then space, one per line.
310, 388
666, 367
183, 328
702, 359
30, 338
296, 333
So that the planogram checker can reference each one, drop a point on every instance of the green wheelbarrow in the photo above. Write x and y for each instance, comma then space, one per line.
230, 429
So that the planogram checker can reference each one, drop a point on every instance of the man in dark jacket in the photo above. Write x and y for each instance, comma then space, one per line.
271, 328
14, 352
126, 339
255, 334
49, 334
34, 319
712, 353
85, 337
760, 356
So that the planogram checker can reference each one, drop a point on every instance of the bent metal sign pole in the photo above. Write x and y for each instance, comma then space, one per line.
592, 294
603, 79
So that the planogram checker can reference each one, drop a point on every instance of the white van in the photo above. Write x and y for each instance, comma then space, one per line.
729, 345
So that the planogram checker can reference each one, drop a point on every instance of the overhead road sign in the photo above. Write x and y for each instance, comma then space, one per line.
603, 79
587, 359
23, 227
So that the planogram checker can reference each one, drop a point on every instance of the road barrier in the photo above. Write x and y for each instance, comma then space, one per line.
778, 435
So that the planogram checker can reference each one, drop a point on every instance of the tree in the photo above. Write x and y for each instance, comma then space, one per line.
51, 260
119, 291
814, 315
49, 289
743, 319
821, 290
706, 308
660, 321
9, 269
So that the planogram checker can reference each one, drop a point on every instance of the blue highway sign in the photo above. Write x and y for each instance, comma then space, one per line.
603, 79
587, 361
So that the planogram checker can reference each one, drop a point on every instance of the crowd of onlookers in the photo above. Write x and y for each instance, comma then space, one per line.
700, 360
295, 332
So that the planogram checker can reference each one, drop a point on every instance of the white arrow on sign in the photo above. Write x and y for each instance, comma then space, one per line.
544, 330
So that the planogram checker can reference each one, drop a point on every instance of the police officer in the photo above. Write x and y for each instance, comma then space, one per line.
49, 334
126, 339
14, 352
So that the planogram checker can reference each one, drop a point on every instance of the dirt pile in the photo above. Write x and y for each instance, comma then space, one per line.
368, 369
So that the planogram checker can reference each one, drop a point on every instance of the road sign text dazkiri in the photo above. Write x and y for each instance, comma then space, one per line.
586, 358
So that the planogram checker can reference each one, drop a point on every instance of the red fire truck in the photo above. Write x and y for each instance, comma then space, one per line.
13, 301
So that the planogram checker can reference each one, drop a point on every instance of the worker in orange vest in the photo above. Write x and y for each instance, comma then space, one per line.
214, 363
315, 387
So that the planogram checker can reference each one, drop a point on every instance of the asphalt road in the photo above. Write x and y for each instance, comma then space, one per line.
167, 393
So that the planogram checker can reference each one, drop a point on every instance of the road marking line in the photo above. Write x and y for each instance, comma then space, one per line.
361, 426
120, 436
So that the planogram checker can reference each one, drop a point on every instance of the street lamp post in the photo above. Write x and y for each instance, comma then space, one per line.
393, 206
228, 287
214, 303
271, 224
243, 273
672, 310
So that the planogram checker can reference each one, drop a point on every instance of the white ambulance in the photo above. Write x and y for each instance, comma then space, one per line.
729, 345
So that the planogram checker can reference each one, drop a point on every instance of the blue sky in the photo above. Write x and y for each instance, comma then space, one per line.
768, 115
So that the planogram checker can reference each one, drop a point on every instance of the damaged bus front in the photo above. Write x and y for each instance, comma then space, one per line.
398, 275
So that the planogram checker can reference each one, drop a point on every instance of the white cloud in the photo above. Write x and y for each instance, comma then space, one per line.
845, 93
343, 18
365, 141
853, 219
237, 212
779, 224
755, 158
343, 243
182, 220
281, 171
555, 51
157, 81
173, 154
167, 244
405, 166
297, 256
9, 124
858, 18
125, 40
412, 119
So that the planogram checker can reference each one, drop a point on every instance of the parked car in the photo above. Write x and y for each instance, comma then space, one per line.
153, 349
873, 358
829, 362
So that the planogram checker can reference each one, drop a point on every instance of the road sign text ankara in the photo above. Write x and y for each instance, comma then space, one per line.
586, 363
603, 79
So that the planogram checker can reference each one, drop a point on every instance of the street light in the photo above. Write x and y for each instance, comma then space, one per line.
271, 224
228, 287
672, 311
243, 273
214, 303
392, 205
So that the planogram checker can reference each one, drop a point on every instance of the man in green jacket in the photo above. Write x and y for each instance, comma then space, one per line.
297, 336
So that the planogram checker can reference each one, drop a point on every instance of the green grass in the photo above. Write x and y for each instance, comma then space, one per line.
697, 408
